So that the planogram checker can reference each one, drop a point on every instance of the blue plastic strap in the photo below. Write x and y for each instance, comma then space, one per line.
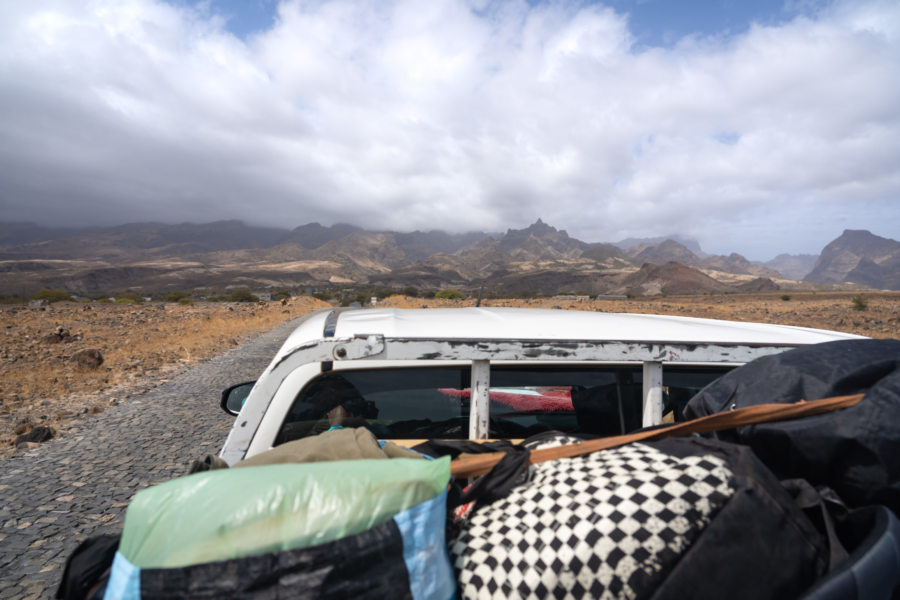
425, 550
124, 580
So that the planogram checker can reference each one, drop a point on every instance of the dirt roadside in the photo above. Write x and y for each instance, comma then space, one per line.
49, 372
49, 382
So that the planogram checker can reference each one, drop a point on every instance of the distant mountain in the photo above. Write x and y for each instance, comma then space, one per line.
663, 252
534, 243
135, 241
608, 255
792, 266
375, 252
858, 256
313, 235
188, 238
24, 233
419, 245
538, 259
884, 275
737, 264
760, 284
432, 274
670, 278
690, 244
659, 253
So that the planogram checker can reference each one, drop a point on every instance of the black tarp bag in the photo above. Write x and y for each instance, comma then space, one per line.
855, 451
87, 568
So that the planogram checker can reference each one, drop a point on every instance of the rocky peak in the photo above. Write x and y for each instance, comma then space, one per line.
664, 252
862, 242
537, 229
859, 256
736, 263
314, 235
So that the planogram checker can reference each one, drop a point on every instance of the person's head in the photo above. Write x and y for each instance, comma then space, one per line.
333, 390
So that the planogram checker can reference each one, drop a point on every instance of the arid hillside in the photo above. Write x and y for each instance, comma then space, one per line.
50, 379
209, 259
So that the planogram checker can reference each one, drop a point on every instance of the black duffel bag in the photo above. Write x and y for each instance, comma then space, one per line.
855, 451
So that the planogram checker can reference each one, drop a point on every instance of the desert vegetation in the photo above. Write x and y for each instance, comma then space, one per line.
49, 381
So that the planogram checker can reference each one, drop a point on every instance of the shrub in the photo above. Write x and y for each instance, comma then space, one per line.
129, 298
175, 296
186, 300
859, 303
410, 291
52, 295
448, 294
281, 295
785, 297
323, 296
242, 295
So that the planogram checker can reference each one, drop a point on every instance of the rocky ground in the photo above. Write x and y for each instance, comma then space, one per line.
78, 485
66, 360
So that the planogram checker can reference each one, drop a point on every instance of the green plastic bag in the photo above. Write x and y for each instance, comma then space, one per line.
230, 513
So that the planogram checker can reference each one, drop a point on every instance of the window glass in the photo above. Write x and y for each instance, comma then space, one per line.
682, 384
410, 403
528, 400
433, 402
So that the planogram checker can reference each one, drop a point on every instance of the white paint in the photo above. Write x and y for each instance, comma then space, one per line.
480, 403
653, 393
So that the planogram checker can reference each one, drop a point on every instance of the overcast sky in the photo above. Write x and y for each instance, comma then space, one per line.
753, 127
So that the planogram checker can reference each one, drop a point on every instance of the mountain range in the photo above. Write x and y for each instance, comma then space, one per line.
539, 259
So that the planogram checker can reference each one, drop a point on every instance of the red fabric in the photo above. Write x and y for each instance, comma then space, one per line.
548, 400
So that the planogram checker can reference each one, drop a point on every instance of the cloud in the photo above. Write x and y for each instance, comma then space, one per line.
453, 114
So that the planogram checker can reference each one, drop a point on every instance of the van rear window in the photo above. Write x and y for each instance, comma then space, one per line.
433, 402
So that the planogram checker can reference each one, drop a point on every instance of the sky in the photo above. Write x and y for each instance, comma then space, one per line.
753, 127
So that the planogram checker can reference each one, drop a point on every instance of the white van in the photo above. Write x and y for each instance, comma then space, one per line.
478, 373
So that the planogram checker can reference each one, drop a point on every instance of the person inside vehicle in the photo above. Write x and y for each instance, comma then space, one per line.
329, 402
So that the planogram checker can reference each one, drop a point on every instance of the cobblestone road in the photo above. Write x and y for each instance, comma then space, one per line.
64, 491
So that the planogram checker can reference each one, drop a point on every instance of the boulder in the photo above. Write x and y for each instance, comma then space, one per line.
60, 335
89, 358
38, 435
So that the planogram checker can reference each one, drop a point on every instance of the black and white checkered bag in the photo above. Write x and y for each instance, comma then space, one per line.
618, 524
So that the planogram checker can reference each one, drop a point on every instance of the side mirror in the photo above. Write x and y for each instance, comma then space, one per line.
233, 398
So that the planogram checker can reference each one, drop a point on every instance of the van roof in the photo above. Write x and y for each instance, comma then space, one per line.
547, 324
